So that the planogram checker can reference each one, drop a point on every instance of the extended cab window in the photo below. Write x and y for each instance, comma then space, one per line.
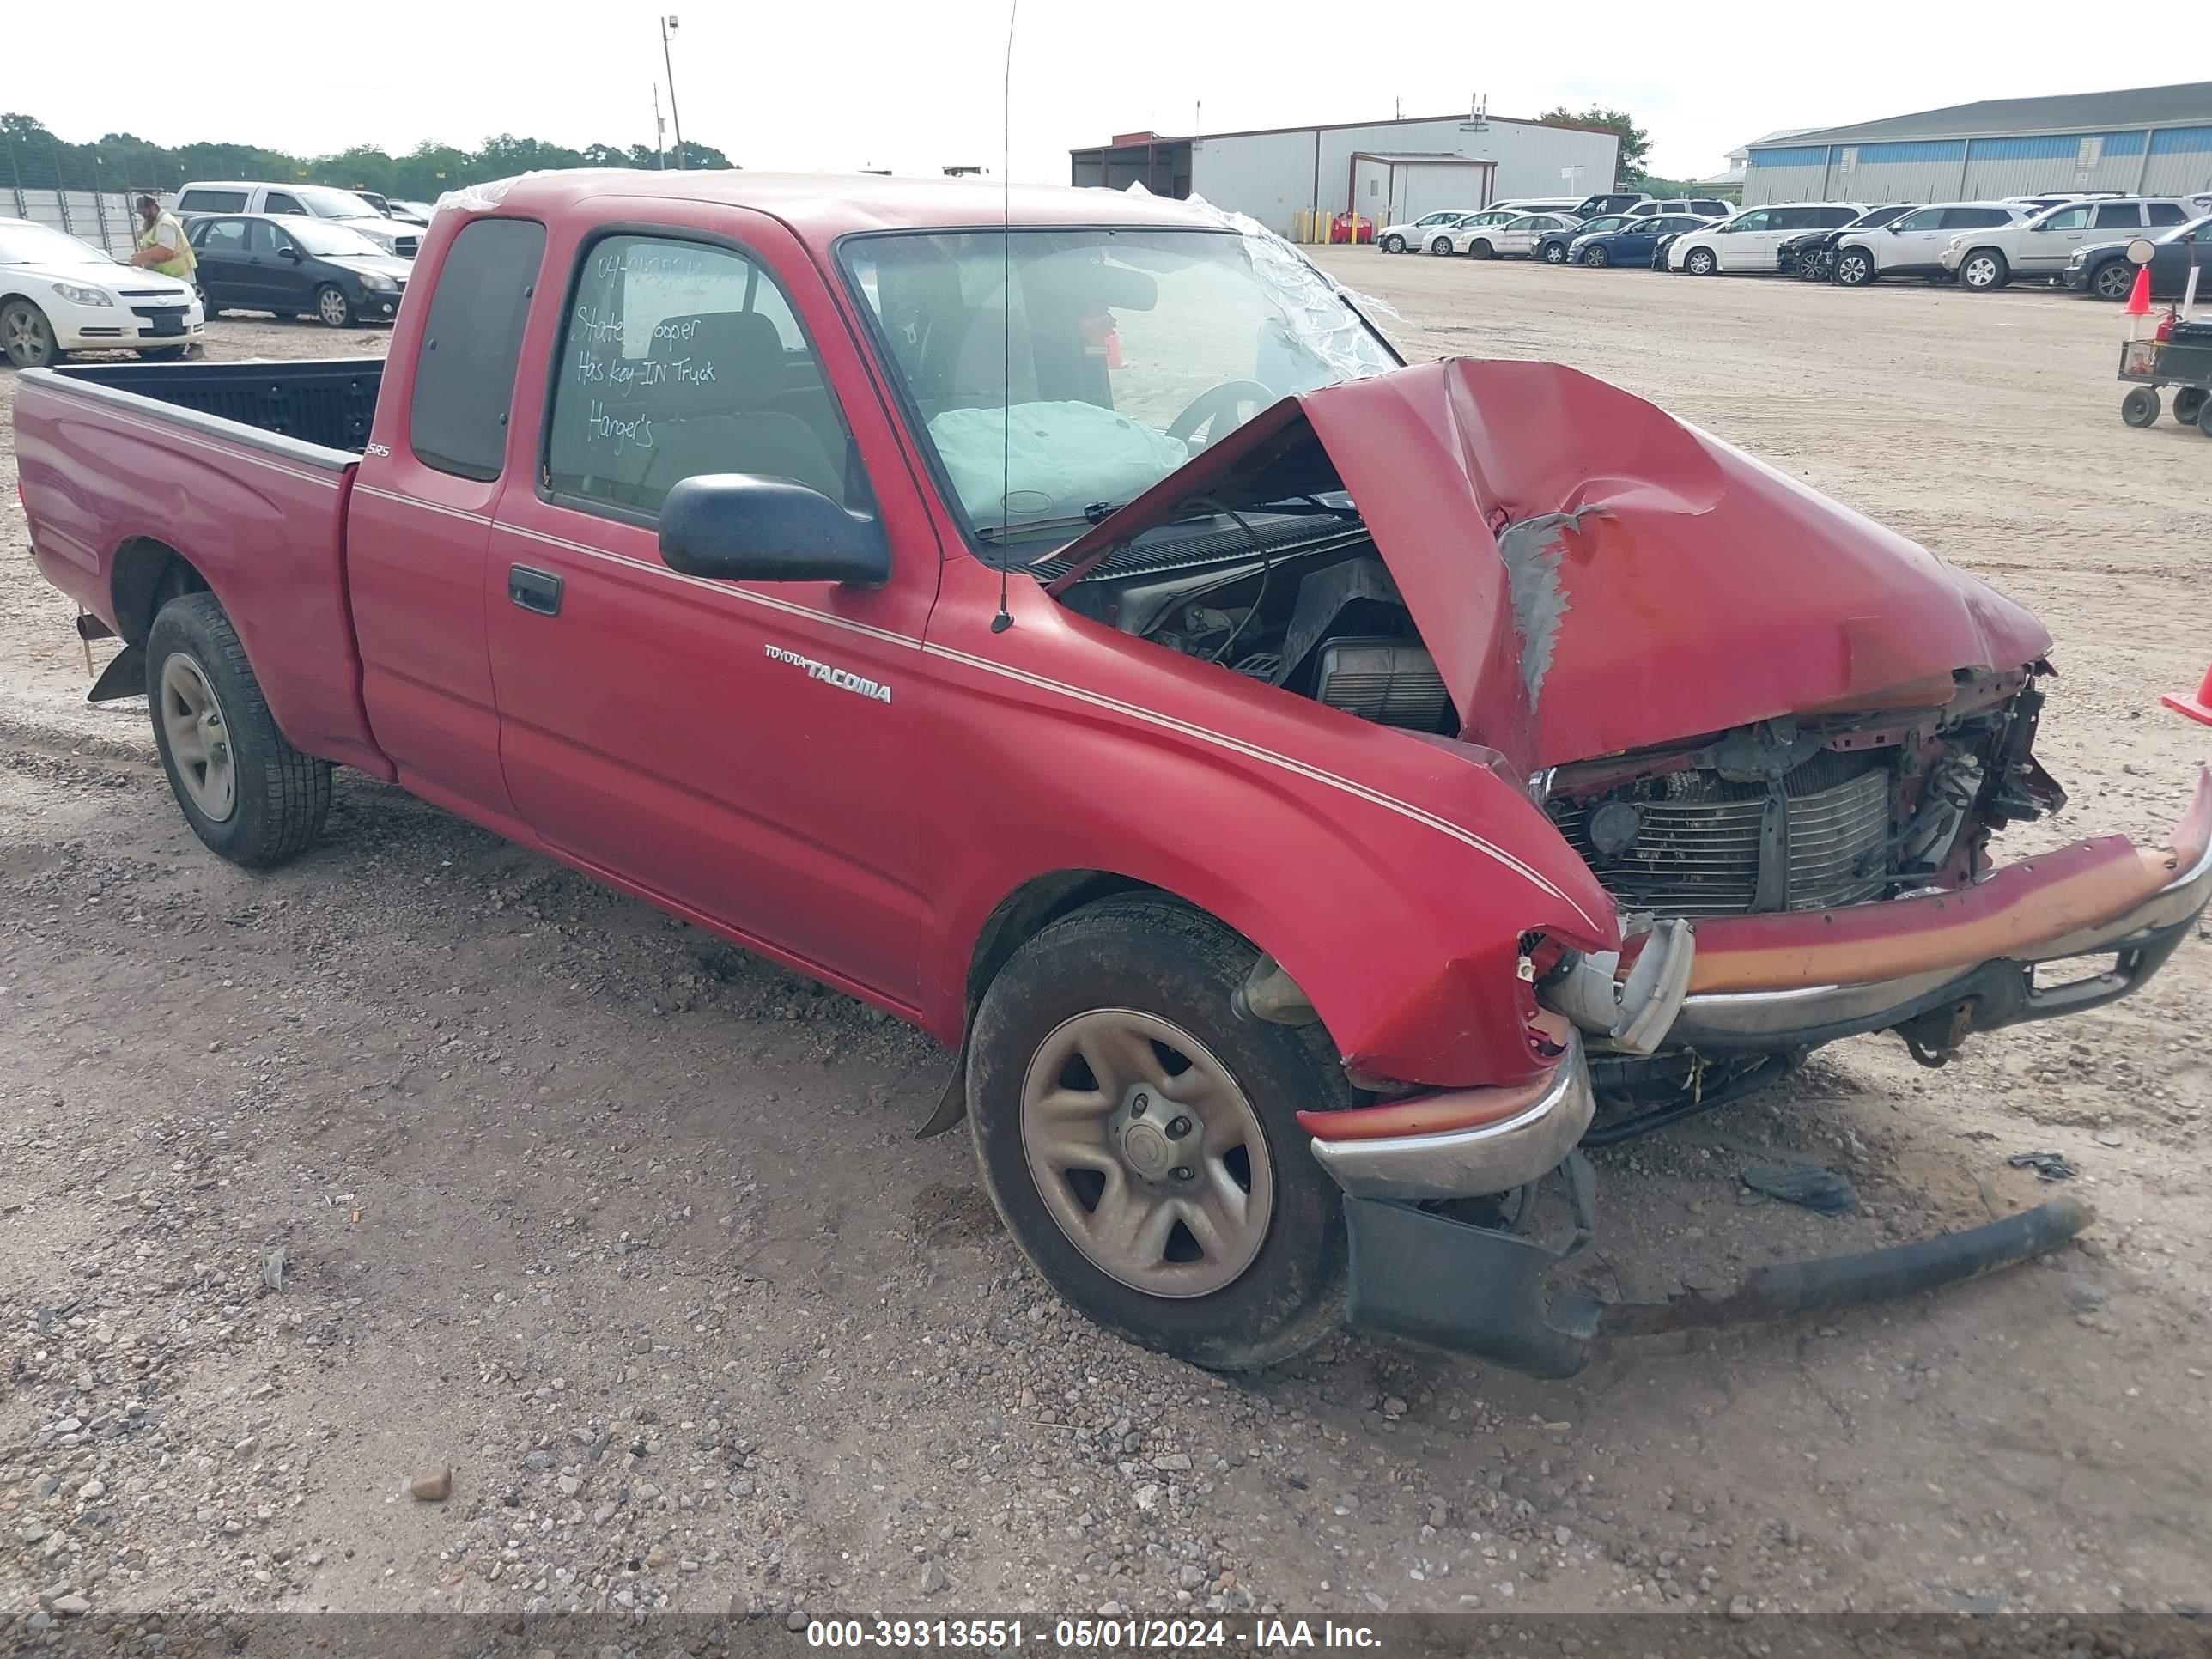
211, 201
465, 371
680, 358
277, 202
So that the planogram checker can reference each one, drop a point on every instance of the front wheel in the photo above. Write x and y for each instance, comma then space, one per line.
1394, 244
246, 791
1854, 268
1141, 1143
1701, 262
25, 337
1555, 254
2139, 406
333, 307
1596, 257
1441, 244
1983, 271
2115, 280
1481, 249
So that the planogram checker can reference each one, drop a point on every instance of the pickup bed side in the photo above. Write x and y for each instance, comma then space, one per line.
133, 498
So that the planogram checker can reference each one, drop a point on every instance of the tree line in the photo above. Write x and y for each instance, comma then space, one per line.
33, 157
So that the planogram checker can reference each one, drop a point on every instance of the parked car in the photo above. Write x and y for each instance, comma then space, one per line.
2042, 246
1517, 238
1746, 242
2037, 204
1541, 205
405, 212
657, 447
1552, 246
58, 294
1631, 241
1619, 200
419, 211
295, 268
1913, 244
1481, 227
304, 201
2104, 270
1810, 256
1701, 207
1431, 232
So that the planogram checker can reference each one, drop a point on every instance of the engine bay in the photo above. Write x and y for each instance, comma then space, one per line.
1299, 600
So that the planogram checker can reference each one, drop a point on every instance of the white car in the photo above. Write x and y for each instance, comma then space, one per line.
1432, 231
1748, 241
58, 294
1517, 238
1477, 224
1699, 207
1913, 246
310, 201
2041, 245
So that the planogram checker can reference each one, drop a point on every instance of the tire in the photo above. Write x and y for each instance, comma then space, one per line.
27, 338
1596, 257
276, 797
1394, 244
209, 309
2189, 405
2112, 280
164, 354
2204, 418
1126, 976
1555, 254
2139, 406
1854, 268
1701, 262
1983, 271
1441, 244
1481, 249
332, 307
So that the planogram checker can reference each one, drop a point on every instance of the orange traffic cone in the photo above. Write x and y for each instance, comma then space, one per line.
2139, 295
2198, 708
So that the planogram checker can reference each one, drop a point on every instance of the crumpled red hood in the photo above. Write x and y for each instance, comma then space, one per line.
1592, 574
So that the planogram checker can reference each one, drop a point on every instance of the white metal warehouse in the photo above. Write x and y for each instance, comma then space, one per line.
1386, 171
2154, 141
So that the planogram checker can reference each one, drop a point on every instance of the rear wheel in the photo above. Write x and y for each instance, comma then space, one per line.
2113, 280
333, 307
1141, 1143
247, 793
1984, 269
2204, 418
1701, 262
1394, 244
2188, 404
1854, 268
2139, 406
25, 337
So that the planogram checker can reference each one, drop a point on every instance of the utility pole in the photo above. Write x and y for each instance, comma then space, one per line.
667, 29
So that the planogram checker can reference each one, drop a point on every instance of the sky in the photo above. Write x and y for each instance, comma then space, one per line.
912, 87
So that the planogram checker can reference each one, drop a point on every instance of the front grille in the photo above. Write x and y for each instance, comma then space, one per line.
407, 246
1697, 851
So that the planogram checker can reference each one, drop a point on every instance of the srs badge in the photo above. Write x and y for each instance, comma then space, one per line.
844, 679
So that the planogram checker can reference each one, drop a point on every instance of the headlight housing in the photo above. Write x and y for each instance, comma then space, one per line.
84, 297
377, 280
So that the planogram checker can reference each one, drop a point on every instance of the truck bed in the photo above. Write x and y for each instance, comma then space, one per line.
326, 401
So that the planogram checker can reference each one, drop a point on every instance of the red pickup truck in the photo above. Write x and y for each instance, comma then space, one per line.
1311, 794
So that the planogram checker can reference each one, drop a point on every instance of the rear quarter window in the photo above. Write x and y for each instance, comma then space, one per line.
2166, 213
212, 201
465, 371
2118, 215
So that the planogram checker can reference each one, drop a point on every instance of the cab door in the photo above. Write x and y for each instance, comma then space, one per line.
283, 270
744, 752
221, 251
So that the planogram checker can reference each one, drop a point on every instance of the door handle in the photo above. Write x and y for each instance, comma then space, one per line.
534, 590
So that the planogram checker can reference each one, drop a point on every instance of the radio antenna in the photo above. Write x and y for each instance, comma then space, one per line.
1004, 619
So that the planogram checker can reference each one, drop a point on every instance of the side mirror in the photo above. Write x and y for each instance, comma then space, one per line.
288, 252
746, 527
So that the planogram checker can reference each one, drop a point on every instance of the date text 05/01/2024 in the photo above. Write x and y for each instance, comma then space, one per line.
1086, 1635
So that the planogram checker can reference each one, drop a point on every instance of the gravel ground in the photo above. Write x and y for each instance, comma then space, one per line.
423, 1227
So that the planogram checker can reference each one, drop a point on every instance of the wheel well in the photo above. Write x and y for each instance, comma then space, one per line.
1027, 910
146, 575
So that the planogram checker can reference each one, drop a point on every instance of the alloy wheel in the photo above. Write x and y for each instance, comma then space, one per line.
198, 739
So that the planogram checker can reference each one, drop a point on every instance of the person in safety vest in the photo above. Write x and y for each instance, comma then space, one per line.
161, 244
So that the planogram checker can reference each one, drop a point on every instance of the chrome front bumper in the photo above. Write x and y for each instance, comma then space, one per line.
1470, 1163
1998, 993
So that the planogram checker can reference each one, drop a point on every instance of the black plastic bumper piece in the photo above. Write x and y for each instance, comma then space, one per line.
1480, 1292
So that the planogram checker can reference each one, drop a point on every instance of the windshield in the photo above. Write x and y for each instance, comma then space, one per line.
34, 245
330, 240
333, 203
2184, 232
1125, 351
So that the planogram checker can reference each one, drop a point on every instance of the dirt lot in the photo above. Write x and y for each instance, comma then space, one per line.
629, 1231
